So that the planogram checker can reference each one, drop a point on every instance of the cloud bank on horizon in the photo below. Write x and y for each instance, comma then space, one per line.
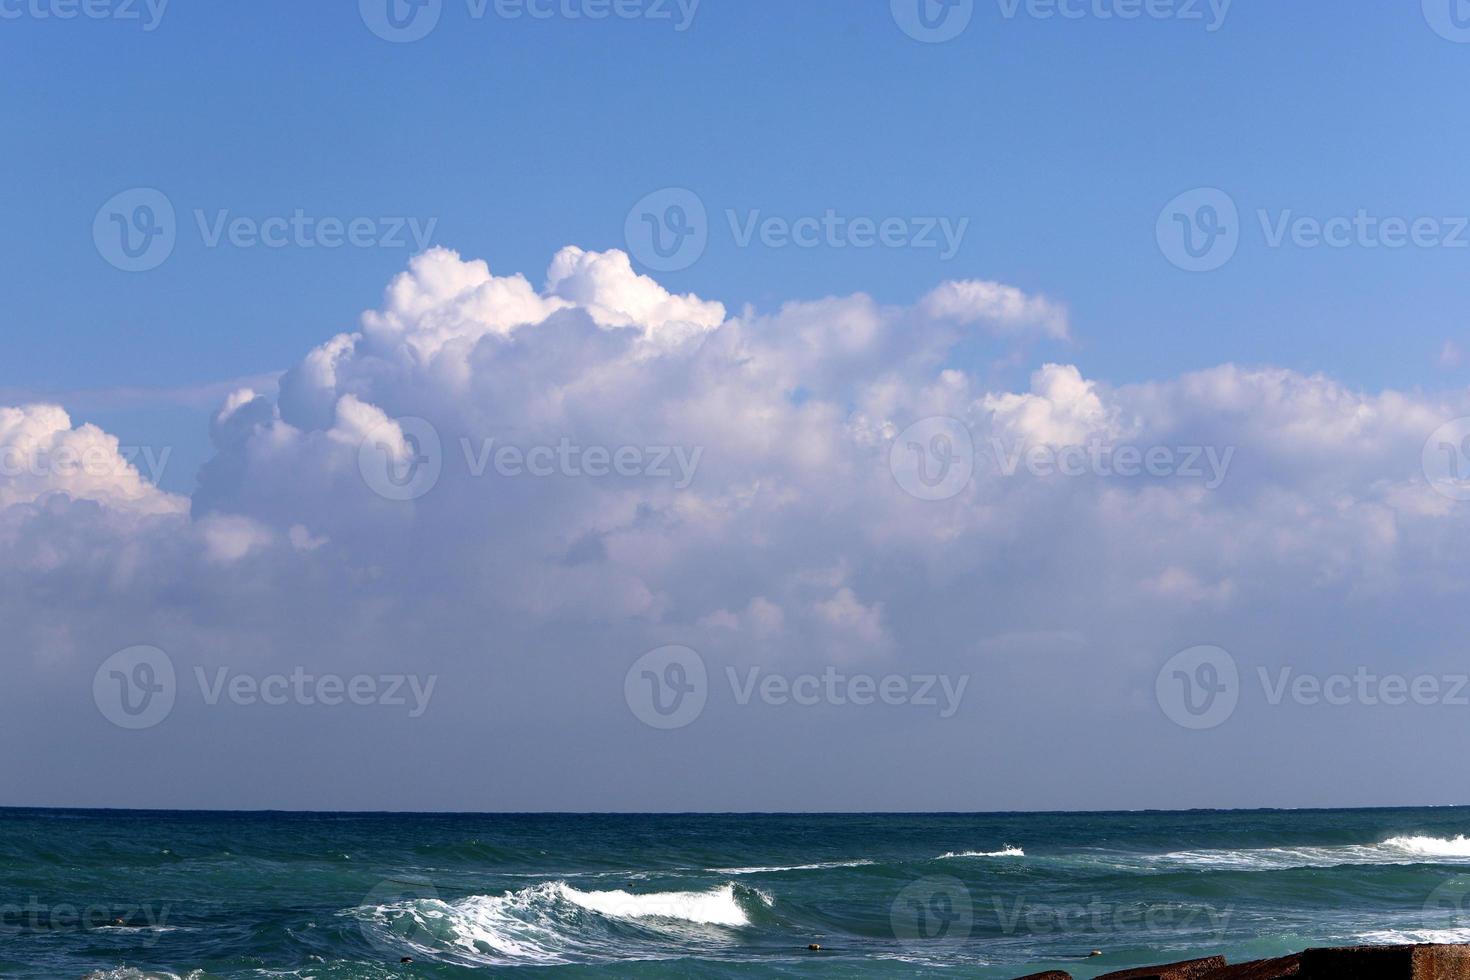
617, 467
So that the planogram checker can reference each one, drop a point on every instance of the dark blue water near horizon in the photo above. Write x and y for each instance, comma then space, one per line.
140, 894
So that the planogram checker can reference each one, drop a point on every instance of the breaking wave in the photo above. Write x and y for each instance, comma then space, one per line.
824, 866
1005, 852
1394, 850
554, 923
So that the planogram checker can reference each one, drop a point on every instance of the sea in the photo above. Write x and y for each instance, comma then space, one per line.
144, 894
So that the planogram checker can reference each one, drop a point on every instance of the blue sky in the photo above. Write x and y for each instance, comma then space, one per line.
1056, 141
1059, 139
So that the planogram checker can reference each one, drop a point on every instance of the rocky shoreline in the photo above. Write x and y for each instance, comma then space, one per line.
1423, 962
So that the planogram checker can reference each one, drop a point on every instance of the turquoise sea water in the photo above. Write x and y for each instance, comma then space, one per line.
138, 894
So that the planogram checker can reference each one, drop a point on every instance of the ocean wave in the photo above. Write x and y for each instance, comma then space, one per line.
1393, 851
823, 866
719, 907
554, 923
1005, 852
1431, 846
1404, 937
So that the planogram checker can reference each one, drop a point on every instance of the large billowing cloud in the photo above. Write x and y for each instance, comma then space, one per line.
522, 489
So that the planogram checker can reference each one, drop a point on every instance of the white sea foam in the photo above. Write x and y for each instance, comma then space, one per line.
824, 866
718, 907
1394, 850
1006, 852
1431, 846
541, 924
1404, 937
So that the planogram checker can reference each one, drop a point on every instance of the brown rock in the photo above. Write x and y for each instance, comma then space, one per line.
1387, 962
1286, 966
1048, 975
1188, 970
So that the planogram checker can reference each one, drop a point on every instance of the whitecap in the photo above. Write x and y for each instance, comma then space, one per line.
543, 924
823, 866
1393, 851
718, 907
1006, 852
